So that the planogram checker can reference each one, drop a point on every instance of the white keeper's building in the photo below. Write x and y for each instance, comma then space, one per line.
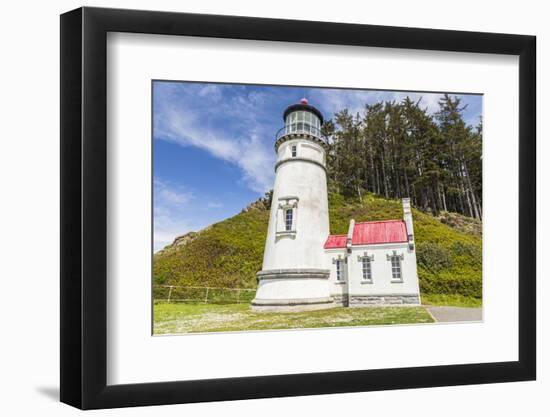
304, 266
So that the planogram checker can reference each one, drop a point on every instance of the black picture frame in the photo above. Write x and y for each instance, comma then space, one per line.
84, 207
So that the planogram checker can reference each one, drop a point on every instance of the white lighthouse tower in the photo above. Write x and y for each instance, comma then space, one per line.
294, 274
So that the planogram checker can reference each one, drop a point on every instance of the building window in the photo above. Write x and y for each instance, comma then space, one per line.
339, 270
293, 151
340, 265
367, 268
396, 268
288, 220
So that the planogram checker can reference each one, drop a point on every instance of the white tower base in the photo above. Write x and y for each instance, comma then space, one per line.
293, 290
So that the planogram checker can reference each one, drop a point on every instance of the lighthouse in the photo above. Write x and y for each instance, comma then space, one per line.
294, 273
307, 268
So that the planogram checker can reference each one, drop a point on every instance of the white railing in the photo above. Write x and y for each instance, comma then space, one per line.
300, 127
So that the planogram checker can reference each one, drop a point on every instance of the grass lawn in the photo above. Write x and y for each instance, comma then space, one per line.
199, 318
451, 300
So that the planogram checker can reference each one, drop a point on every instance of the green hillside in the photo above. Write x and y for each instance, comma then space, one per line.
229, 253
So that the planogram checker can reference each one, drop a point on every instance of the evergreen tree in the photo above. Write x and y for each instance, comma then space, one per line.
400, 150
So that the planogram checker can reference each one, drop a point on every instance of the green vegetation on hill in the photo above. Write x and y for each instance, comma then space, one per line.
229, 253
226, 254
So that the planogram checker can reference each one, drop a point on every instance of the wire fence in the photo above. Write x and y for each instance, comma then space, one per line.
202, 295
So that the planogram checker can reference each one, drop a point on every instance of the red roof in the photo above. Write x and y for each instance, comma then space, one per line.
389, 231
335, 241
370, 233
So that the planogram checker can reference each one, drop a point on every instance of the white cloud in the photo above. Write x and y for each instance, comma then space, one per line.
187, 122
427, 101
248, 151
211, 91
170, 203
202, 116
334, 100
166, 194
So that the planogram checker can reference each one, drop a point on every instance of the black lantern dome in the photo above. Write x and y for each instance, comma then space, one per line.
303, 105
302, 118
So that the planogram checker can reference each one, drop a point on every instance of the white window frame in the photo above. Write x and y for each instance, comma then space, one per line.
293, 151
365, 258
285, 204
288, 228
399, 259
340, 266
301, 120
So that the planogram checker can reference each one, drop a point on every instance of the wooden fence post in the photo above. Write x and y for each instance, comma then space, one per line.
170, 293
206, 297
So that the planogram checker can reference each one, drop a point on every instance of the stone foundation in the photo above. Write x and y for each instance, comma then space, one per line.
341, 300
383, 300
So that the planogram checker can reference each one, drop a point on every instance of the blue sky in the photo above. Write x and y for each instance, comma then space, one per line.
213, 144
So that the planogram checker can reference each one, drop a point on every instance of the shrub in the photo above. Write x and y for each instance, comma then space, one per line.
448, 283
468, 253
432, 256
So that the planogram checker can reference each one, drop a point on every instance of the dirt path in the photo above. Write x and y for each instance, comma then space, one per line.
455, 314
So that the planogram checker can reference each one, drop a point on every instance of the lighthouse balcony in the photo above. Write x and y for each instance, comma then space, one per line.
298, 130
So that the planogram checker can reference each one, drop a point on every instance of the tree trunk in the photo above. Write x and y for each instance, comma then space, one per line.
469, 186
407, 185
444, 199
384, 179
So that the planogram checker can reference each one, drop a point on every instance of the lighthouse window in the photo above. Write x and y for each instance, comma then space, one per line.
288, 220
300, 121
311, 122
292, 122
293, 151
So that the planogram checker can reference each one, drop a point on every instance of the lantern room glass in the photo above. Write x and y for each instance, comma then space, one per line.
303, 122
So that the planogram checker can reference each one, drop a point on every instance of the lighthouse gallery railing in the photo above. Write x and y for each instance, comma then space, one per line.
296, 128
